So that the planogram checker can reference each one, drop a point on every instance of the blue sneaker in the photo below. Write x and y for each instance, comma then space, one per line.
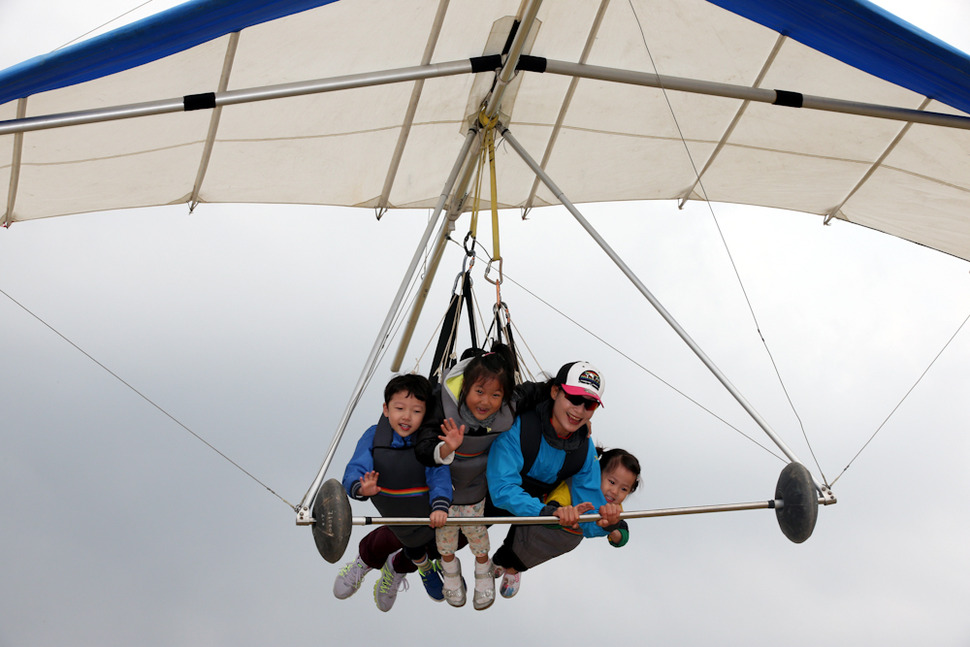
431, 578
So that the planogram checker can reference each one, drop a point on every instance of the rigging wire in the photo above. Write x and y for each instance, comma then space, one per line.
147, 399
635, 363
391, 333
523, 366
103, 25
717, 224
911, 389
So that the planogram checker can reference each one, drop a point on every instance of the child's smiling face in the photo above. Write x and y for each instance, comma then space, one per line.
617, 483
484, 398
405, 413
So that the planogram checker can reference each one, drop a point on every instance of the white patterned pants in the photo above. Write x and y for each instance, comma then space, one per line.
477, 535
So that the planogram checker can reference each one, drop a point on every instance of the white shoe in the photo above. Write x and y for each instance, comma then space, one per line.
350, 578
484, 594
454, 583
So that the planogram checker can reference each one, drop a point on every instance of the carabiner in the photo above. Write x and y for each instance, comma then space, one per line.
488, 269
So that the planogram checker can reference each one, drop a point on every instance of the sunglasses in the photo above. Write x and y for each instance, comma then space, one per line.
580, 401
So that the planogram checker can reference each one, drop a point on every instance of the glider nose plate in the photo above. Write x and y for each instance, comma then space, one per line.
332, 521
799, 509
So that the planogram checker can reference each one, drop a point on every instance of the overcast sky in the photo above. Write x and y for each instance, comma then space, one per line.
250, 326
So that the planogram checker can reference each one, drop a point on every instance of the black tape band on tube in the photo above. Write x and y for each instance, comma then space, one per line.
532, 63
486, 63
205, 101
786, 98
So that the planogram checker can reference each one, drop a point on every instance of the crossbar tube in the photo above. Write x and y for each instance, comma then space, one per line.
547, 520
234, 97
760, 95
466, 66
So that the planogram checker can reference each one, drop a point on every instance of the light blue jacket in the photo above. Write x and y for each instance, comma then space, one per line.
505, 465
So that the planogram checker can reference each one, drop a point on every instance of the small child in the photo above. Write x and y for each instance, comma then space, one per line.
476, 392
384, 468
529, 546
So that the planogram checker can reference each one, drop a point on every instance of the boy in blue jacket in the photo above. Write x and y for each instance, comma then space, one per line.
385, 470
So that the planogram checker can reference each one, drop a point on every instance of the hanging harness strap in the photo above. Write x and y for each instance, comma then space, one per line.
510, 341
444, 354
469, 309
530, 436
502, 327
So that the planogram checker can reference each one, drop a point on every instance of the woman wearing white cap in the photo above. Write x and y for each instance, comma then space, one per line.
544, 447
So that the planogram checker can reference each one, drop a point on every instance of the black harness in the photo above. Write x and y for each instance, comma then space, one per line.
530, 436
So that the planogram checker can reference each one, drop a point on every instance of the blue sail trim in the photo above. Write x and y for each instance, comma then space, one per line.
869, 38
155, 37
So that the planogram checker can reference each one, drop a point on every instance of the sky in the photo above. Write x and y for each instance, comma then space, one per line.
250, 324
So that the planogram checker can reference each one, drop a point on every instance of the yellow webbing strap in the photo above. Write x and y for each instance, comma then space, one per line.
490, 140
488, 148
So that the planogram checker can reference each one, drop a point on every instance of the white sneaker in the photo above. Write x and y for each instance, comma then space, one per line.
350, 578
484, 594
454, 583
385, 591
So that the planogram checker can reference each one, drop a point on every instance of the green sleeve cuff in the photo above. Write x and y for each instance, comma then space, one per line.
624, 537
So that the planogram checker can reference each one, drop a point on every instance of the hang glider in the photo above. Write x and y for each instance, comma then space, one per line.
828, 107
360, 103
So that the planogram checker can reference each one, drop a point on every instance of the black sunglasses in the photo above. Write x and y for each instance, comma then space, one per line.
580, 401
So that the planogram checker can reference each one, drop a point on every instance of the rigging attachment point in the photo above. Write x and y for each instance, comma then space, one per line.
799, 509
332, 521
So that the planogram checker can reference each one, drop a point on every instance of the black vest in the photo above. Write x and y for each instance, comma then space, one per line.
404, 486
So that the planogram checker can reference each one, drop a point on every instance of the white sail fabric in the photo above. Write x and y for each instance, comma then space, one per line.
616, 141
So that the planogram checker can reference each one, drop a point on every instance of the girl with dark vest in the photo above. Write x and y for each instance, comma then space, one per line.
475, 397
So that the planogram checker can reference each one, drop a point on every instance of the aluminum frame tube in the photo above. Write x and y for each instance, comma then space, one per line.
507, 73
233, 97
420, 300
747, 93
303, 510
521, 521
761, 422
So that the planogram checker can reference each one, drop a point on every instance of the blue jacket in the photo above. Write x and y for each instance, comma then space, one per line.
438, 478
505, 463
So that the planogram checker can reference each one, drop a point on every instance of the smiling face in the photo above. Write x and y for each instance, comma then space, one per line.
484, 398
405, 413
567, 417
617, 483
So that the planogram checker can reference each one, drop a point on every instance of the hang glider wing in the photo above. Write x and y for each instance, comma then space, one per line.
366, 103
